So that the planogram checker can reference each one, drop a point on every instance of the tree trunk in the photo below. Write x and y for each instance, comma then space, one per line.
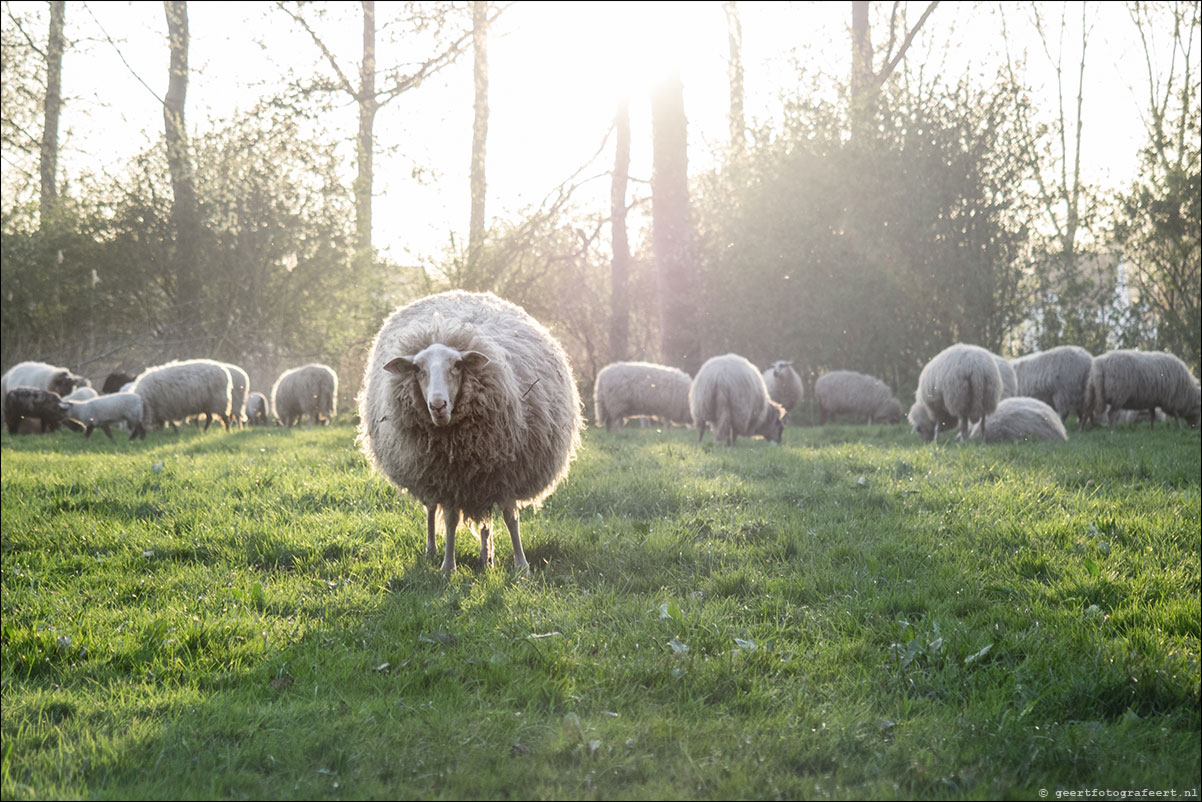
479, 128
734, 35
365, 143
54, 82
619, 321
671, 236
187, 279
861, 51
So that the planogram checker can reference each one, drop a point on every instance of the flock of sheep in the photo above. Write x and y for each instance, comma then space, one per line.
38, 397
468, 403
964, 387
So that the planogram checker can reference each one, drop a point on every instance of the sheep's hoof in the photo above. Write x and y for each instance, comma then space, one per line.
522, 568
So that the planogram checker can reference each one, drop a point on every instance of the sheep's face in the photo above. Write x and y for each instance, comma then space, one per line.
773, 427
439, 371
921, 422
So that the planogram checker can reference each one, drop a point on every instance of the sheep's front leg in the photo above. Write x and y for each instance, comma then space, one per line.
431, 517
510, 513
451, 516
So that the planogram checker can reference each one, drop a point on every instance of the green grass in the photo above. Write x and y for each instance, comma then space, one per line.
854, 615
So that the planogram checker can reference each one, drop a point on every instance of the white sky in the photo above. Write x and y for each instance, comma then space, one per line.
553, 88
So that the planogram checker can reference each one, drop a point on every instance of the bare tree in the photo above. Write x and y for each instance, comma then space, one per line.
866, 79
378, 86
734, 36
184, 213
51, 106
479, 127
672, 239
619, 325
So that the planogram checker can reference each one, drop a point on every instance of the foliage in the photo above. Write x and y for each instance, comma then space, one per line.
275, 260
855, 614
869, 254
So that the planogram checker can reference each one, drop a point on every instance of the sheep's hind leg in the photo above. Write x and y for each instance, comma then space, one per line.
451, 516
510, 513
486, 545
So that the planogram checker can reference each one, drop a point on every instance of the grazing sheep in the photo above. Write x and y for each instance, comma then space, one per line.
845, 391
1133, 379
468, 402
60, 381
730, 392
784, 385
1057, 377
22, 403
177, 390
633, 389
241, 384
115, 381
256, 409
307, 390
1020, 418
961, 382
1009, 378
103, 411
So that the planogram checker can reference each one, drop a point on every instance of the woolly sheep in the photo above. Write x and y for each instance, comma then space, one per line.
256, 409
784, 385
178, 390
962, 382
308, 390
631, 389
1020, 418
103, 411
468, 402
60, 381
81, 394
1057, 377
1009, 378
846, 391
23, 403
1133, 379
115, 381
730, 392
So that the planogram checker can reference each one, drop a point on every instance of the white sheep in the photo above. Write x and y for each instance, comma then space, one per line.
960, 383
1020, 418
256, 409
177, 390
729, 392
1057, 377
846, 391
310, 390
41, 376
784, 385
81, 394
641, 389
103, 411
1133, 379
469, 403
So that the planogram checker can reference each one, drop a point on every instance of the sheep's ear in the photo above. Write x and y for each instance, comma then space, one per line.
400, 365
473, 360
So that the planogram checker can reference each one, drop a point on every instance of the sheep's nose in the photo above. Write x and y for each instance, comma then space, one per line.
438, 406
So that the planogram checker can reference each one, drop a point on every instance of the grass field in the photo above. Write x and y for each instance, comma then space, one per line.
854, 615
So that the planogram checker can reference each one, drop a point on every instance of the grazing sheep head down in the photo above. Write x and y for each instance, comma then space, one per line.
441, 372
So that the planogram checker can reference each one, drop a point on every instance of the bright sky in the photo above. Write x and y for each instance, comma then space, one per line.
556, 72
